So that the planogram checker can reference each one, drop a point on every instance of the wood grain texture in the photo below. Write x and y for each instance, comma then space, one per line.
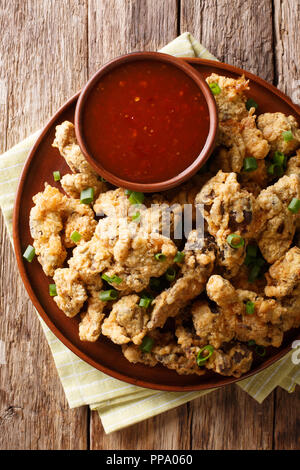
239, 33
48, 49
39, 58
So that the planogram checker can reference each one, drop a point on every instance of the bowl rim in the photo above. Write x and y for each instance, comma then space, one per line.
188, 172
222, 381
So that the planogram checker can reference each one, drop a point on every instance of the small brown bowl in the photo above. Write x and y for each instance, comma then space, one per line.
210, 114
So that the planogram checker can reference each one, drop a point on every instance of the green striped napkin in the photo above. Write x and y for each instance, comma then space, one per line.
120, 404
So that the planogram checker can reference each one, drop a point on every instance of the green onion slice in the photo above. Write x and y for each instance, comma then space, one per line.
215, 88
260, 350
252, 251
76, 236
147, 344
106, 295
160, 257
179, 257
135, 197
250, 307
145, 301
136, 217
87, 196
294, 205
170, 274
250, 164
251, 342
114, 279
56, 175
29, 253
251, 104
202, 359
254, 273
279, 158
235, 240
52, 290
287, 136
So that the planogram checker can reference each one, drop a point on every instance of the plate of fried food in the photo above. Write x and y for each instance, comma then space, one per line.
139, 302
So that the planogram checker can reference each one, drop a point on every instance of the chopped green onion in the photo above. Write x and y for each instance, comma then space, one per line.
279, 158
252, 251
56, 175
254, 273
250, 307
106, 295
87, 196
294, 205
154, 283
52, 290
235, 240
251, 104
29, 253
202, 359
287, 136
147, 344
160, 257
251, 342
145, 301
260, 350
115, 279
136, 198
128, 192
250, 164
102, 179
75, 236
179, 257
136, 217
215, 88
170, 274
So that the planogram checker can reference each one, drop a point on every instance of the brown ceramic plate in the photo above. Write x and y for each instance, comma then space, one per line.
104, 355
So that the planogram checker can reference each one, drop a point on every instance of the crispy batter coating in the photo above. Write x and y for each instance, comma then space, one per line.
126, 322
273, 125
231, 101
293, 165
71, 293
228, 209
283, 277
47, 220
234, 361
91, 320
83, 224
198, 265
278, 223
85, 177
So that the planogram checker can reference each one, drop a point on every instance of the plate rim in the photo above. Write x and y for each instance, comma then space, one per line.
21, 266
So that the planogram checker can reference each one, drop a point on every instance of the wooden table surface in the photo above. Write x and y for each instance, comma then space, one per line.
48, 50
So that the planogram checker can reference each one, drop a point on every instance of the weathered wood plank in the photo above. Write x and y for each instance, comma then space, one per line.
43, 62
230, 419
286, 26
287, 420
239, 32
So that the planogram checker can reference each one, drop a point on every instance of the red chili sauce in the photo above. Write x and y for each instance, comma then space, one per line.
146, 122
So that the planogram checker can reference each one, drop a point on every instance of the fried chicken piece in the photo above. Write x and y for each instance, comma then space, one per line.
293, 165
65, 141
255, 144
231, 101
71, 293
83, 224
126, 322
91, 320
234, 360
241, 281
273, 125
228, 209
283, 277
47, 220
263, 326
278, 223
255, 181
113, 203
197, 267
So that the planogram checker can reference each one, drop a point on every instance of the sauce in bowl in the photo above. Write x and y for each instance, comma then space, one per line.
146, 121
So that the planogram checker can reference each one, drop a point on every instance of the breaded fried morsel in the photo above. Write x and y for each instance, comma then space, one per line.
71, 293
277, 222
284, 276
273, 126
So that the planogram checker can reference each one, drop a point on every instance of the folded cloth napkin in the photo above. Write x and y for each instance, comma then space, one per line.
118, 403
